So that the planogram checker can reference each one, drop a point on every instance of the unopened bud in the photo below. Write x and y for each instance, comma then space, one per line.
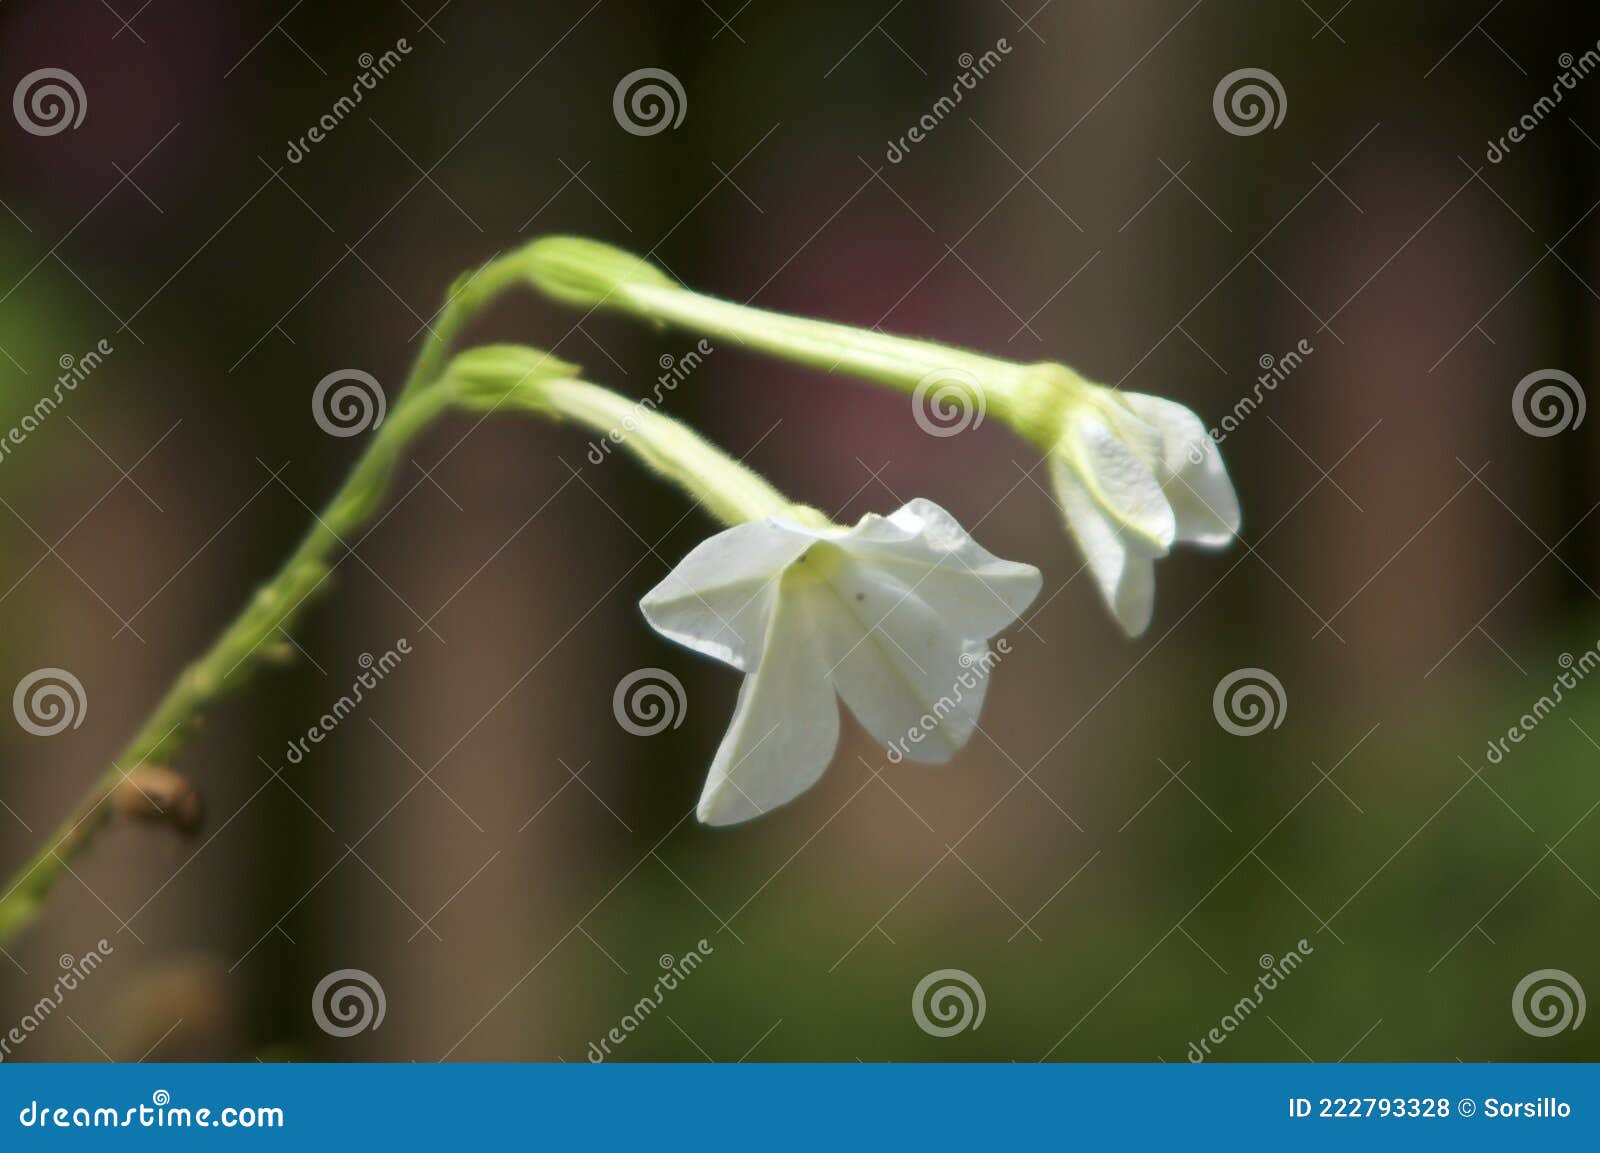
586, 273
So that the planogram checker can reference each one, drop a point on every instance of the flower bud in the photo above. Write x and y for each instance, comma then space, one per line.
492, 374
584, 272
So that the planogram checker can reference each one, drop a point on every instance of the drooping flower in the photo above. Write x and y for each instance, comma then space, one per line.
1133, 474
893, 615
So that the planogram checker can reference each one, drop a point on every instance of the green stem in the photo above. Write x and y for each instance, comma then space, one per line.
234, 654
242, 645
483, 379
468, 296
891, 360
1030, 397
729, 491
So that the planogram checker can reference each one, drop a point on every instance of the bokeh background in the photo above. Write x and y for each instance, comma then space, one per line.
1109, 864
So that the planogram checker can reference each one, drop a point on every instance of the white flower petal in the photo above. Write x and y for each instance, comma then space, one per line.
926, 547
719, 599
897, 661
894, 615
785, 727
1194, 479
1116, 477
1122, 563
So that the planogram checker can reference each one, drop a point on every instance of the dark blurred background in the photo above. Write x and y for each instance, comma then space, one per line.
486, 840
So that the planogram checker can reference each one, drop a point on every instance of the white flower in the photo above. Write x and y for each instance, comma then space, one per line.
891, 615
1134, 474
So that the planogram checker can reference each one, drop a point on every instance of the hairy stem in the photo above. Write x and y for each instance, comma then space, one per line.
242, 645
469, 295
235, 653
490, 379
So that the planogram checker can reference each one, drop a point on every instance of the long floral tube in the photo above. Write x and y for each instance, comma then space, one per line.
1133, 474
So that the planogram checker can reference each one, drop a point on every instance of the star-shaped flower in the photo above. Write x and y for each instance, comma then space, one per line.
894, 615
1135, 474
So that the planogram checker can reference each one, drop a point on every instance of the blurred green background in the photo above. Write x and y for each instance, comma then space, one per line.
486, 840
